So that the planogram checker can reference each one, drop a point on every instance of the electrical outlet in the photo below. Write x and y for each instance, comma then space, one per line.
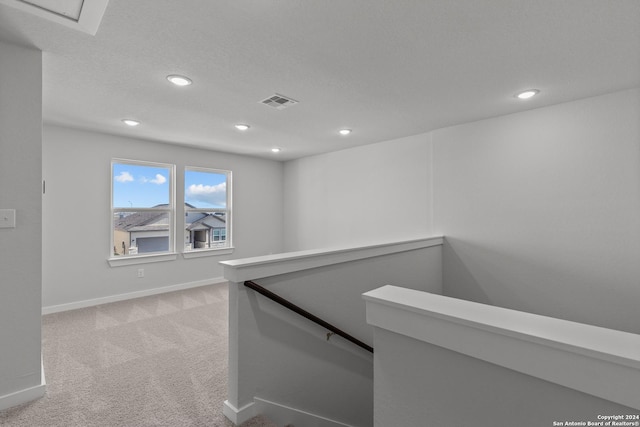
141, 272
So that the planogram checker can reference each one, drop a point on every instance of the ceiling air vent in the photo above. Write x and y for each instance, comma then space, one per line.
279, 102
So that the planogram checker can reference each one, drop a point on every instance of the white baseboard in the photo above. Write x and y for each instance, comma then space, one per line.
284, 415
238, 416
130, 295
22, 396
26, 395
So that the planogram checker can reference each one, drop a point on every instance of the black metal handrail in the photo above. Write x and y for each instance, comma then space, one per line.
302, 312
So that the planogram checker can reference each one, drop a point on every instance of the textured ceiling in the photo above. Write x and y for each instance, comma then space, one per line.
385, 69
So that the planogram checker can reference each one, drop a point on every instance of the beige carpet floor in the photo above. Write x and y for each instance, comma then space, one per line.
153, 361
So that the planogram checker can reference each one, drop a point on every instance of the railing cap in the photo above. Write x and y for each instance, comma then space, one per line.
271, 265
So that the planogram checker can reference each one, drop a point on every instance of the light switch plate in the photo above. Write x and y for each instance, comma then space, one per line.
7, 218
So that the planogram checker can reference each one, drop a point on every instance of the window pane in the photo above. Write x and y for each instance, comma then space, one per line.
205, 230
205, 189
140, 186
140, 232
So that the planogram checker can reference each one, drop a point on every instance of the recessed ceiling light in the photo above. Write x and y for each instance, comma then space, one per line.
528, 93
242, 127
179, 80
276, 150
345, 131
130, 122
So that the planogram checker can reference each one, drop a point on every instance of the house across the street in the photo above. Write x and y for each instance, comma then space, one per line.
148, 231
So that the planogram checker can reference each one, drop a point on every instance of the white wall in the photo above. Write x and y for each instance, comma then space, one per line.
77, 170
359, 196
541, 210
20, 189
281, 357
424, 382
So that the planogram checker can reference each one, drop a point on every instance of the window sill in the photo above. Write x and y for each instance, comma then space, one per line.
141, 259
207, 252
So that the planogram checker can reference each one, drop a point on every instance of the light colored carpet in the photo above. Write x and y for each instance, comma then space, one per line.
153, 361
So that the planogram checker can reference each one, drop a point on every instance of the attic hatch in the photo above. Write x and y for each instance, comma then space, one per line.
69, 9
279, 102
81, 15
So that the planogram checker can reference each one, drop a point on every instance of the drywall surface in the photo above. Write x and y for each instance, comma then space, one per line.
77, 170
20, 189
281, 357
336, 291
417, 383
541, 210
358, 196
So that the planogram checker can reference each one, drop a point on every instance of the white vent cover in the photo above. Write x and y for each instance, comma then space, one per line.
279, 102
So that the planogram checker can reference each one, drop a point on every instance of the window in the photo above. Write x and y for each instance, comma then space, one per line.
142, 208
207, 196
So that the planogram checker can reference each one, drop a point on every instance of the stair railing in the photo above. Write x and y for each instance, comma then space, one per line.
302, 312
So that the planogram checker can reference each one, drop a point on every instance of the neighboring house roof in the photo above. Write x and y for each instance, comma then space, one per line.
142, 221
207, 222
157, 221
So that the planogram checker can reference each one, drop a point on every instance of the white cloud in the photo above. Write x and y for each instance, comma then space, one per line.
215, 195
124, 177
159, 179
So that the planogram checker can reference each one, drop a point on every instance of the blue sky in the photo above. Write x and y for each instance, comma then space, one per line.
141, 186
205, 189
